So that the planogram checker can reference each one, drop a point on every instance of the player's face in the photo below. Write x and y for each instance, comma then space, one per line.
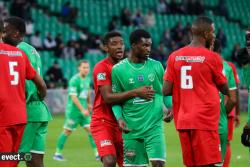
10, 35
210, 37
115, 48
143, 48
84, 69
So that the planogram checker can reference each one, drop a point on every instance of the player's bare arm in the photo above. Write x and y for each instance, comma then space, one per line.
231, 101
41, 86
79, 106
237, 109
224, 89
90, 107
167, 88
109, 97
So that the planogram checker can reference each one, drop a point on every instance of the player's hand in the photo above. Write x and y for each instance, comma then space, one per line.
145, 92
168, 116
85, 112
123, 126
237, 121
245, 136
90, 107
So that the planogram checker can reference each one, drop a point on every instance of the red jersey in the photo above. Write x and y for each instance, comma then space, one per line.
102, 76
195, 73
15, 68
237, 81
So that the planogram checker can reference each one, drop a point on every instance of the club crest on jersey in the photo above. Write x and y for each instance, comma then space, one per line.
141, 78
151, 77
101, 76
131, 81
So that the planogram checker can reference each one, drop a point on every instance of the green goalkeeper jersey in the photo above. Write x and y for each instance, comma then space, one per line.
140, 115
80, 87
37, 110
228, 72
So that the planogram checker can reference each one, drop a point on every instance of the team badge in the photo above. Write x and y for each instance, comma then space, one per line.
101, 76
141, 78
151, 77
130, 155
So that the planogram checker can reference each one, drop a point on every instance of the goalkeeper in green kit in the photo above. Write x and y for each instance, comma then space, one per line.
141, 119
244, 60
34, 136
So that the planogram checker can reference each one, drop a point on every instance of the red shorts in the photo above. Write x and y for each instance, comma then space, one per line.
200, 147
11, 137
108, 140
230, 126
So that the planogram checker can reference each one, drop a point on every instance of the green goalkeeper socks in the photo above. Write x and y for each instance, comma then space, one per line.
60, 143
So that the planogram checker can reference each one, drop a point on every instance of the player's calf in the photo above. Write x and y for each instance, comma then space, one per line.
158, 163
109, 161
36, 161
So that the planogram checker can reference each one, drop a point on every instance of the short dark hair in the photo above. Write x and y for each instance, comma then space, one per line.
202, 20
17, 23
201, 24
109, 35
136, 36
1, 25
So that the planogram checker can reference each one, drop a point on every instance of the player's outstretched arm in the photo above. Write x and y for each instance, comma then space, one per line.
145, 92
41, 86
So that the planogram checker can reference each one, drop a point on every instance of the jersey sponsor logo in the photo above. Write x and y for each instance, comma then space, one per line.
10, 53
141, 78
151, 77
131, 81
106, 143
138, 100
191, 59
101, 76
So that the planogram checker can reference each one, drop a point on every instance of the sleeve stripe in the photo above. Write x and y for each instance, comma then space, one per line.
233, 88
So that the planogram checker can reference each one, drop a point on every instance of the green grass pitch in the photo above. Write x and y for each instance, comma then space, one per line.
78, 152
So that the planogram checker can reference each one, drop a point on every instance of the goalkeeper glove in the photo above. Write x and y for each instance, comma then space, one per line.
245, 136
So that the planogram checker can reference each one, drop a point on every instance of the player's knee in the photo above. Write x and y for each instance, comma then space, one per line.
67, 132
157, 163
109, 161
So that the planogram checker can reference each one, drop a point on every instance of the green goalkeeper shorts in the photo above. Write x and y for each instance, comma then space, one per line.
34, 138
72, 123
138, 152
